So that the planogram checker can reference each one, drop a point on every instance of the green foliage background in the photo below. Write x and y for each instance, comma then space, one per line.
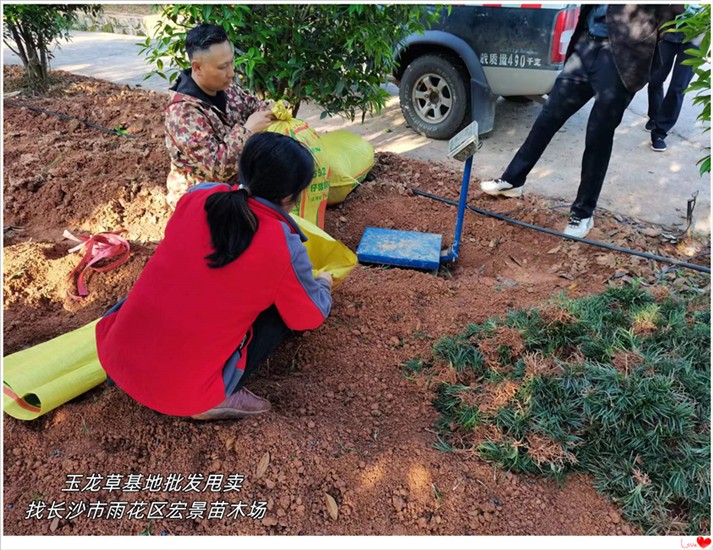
336, 55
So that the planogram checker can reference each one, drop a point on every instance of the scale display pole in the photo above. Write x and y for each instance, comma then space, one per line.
452, 251
461, 147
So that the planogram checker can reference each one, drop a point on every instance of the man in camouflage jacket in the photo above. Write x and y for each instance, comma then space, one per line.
209, 117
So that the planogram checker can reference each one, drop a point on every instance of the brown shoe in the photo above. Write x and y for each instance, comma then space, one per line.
239, 405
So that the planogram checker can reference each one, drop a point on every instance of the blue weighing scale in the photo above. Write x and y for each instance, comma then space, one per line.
423, 250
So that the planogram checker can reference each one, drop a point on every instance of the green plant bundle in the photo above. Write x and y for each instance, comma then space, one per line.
616, 385
335, 55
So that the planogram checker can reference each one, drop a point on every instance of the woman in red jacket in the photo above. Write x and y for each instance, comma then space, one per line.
228, 282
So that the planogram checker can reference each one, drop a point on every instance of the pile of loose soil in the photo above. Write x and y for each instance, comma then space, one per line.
345, 422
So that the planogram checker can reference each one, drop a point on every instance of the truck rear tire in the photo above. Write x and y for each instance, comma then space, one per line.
434, 97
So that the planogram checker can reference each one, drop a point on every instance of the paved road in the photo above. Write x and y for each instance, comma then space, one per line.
640, 183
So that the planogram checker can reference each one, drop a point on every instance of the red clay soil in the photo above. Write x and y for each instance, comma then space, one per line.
345, 422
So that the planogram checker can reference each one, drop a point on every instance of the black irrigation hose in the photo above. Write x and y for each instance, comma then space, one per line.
69, 117
646, 255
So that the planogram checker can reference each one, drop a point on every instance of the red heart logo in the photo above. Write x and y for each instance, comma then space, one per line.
703, 542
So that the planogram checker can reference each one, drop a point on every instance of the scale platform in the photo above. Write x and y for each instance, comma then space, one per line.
400, 248
423, 250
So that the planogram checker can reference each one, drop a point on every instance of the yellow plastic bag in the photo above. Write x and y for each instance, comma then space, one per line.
40, 379
312, 203
350, 158
326, 253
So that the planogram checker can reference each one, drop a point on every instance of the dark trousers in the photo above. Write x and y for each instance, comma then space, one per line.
589, 72
268, 331
664, 110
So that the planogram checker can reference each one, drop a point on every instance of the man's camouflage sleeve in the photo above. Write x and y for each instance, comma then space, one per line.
197, 148
248, 103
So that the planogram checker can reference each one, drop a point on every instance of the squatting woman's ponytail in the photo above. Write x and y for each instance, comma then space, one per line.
272, 167
232, 225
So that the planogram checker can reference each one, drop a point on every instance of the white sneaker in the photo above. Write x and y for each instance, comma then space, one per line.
579, 227
500, 187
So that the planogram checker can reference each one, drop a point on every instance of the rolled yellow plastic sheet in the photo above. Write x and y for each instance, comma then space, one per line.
41, 378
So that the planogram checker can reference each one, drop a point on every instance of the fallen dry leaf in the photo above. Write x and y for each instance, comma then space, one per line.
689, 249
554, 250
262, 465
332, 507
608, 260
229, 443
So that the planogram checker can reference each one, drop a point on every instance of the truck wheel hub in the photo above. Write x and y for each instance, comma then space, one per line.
432, 98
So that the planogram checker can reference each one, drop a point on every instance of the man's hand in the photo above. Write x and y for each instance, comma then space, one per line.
259, 120
327, 277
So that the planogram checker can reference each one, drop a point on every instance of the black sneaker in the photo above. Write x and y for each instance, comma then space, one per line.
658, 144
649, 126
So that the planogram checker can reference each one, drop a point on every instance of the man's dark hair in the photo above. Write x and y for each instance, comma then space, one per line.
202, 37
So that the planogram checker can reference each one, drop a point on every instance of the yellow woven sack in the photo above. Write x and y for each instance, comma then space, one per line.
326, 253
350, 158
40, 379
312, 203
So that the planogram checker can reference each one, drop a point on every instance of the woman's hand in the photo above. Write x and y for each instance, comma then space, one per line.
327, 277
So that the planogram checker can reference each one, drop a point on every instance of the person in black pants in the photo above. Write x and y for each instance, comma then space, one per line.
664, 110
609, 58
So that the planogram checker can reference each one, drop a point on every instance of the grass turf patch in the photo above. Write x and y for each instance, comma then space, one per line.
616, 385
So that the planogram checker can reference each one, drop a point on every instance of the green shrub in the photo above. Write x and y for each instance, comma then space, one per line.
336, 55
633, 411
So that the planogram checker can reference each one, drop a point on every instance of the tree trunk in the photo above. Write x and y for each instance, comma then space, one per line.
18, 42
43, 61
296, 108
36, 76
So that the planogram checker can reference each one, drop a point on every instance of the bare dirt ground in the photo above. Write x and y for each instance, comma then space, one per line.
345, 422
